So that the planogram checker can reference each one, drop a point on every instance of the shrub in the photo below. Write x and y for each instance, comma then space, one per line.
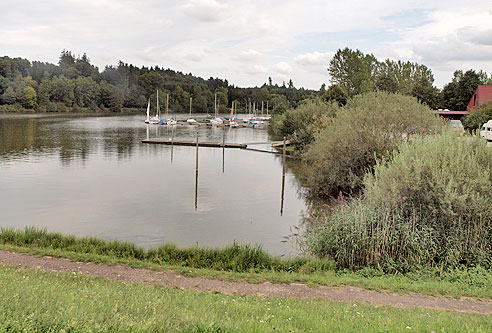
476, 118
369, 127
427, 206
301, 124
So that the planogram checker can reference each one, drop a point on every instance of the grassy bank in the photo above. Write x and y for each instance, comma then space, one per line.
73, 302
234, 258
470, 282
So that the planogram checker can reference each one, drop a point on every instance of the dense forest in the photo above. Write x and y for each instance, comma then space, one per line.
74, 84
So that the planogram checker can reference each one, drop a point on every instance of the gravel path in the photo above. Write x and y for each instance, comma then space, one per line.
295, 290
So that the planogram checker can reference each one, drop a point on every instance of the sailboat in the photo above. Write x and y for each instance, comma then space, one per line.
232, 121
156, 119
169, 121
216, 121
191, 120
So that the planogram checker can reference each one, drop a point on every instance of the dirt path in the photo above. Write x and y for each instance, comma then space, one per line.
267, 289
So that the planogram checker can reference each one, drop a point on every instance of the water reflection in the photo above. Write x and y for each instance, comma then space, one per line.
93, 176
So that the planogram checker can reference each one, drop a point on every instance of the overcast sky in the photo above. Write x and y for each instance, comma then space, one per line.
248, 41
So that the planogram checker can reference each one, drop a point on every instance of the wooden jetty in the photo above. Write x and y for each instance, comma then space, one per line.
193, 143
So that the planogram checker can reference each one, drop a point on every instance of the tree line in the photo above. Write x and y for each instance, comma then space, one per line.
352, 73
75, 84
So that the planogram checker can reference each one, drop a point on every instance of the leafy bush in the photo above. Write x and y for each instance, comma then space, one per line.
301, 124
369, 127
427, 206
478, 117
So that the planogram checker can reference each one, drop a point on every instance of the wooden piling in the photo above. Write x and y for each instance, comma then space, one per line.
196, 173
283, 179
223, 148
172, 143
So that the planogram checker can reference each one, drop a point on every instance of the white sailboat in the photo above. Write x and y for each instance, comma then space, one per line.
232, 122
191, 120
216, 121
169, 121
156, 119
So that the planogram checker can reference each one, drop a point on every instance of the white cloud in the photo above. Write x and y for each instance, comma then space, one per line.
244, 41
248, 55
283, 68
258, 69
455, 38
205, 10
314, 58
476, 36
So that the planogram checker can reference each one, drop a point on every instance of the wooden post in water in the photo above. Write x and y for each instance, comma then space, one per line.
196, 173
283, 179
223, 147
172, 143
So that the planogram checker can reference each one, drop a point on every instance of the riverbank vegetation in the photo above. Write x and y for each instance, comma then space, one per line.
473, 282
366, 129
234, 258
413, 195
75, 302
427, 206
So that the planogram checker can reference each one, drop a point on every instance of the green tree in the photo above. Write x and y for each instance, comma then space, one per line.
150, 82
86, 92
9, 96
111, 97
457, 93
336, 93
426, 93
280, 104
62, 90
387, 83
29, 98
353, 70
476, 118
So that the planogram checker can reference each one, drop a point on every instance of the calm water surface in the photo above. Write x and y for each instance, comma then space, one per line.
91, 175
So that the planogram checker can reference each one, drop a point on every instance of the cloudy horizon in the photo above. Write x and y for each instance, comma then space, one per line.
247, 42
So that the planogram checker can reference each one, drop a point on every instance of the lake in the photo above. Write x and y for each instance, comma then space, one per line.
92, 176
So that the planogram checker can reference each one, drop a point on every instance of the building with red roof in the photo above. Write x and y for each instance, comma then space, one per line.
481, 95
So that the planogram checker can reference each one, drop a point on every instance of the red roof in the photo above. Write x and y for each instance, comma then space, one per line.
447, 112
482, 94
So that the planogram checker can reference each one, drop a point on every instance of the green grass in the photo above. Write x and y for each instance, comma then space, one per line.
235, 258
35, 301
474, 283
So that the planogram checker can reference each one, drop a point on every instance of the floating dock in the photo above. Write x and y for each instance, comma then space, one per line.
193, 143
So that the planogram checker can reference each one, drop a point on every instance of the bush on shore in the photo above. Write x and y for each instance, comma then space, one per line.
429, 205
302, 124
476, 118
368, 128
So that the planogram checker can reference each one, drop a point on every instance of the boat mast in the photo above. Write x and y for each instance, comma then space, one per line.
148, 110
215, 105
158, 112
167, 105
191, 98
